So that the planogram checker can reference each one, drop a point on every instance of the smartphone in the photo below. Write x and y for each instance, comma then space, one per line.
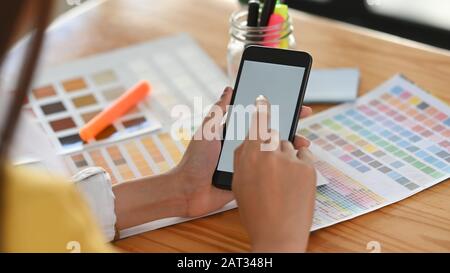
278, 74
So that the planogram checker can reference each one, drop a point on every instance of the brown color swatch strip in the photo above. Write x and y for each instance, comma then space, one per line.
84, 101
74, 85
62, 124
134, 122
44, 92
52, 108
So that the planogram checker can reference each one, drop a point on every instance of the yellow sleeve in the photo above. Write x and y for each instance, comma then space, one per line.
46, 214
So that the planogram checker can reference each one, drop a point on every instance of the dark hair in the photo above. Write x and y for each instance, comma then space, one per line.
10, 14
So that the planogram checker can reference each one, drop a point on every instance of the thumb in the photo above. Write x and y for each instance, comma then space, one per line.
222, 103
225, 98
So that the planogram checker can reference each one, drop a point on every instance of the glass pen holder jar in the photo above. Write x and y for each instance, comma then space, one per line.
241, 36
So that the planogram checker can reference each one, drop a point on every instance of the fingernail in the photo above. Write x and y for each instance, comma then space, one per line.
261, 98
306, 108
224, 93
308, 142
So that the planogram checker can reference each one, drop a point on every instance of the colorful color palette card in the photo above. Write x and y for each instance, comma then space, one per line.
386, 146
65, 97
137, 157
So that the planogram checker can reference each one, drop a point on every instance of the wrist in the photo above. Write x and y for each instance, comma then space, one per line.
149, 199
178, 195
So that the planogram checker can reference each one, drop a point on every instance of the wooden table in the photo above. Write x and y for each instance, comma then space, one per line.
419, 223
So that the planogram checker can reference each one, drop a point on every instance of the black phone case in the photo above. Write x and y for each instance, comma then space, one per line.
223, 180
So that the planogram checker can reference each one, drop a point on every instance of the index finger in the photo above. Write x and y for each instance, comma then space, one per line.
260, 123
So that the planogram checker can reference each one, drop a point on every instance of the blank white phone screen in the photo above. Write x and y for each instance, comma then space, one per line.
280, 84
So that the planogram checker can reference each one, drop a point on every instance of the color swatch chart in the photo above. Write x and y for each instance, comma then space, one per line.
65, 97
389, 144
63, 107
141, 156
341, 198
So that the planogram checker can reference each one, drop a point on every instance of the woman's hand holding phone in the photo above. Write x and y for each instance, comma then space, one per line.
275, 190
195, 171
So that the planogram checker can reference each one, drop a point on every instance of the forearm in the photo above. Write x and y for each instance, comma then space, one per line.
147, 199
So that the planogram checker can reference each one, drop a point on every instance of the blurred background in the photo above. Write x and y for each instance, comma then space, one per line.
426, 21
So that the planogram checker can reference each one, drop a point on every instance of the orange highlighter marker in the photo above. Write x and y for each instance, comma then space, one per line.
117, 109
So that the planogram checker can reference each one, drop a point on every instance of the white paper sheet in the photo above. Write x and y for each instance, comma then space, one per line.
332, 85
